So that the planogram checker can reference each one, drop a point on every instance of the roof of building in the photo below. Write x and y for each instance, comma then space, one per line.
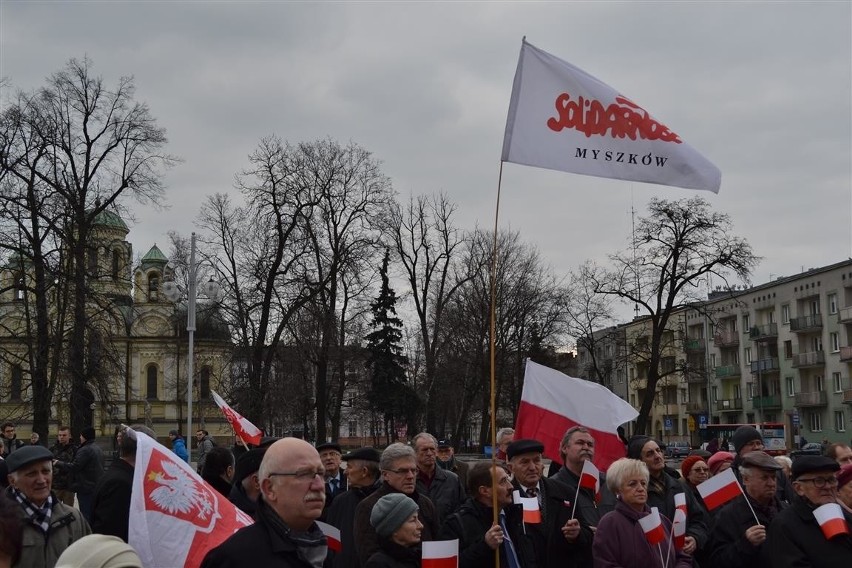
110, 219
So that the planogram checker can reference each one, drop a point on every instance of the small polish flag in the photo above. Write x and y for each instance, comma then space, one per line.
590, 477
719, 489
679, 529
441, 554
332, 535
680, 502
532, 514
831, 521
653, 527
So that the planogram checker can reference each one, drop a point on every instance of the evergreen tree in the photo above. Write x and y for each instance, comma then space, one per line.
389, 391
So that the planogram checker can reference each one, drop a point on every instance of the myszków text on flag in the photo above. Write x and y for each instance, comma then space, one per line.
248, 432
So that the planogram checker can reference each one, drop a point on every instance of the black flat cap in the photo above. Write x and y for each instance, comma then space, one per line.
803, 465
761, 460
329, 446
26, 455
519, 447
366, 454
444, 444
248, 463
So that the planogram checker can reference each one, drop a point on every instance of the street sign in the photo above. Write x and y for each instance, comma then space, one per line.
668, 423
796, 419
702, 419
690, 422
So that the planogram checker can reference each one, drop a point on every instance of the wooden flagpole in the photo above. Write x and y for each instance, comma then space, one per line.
493, 334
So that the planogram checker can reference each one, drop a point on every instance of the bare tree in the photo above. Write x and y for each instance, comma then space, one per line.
675, 248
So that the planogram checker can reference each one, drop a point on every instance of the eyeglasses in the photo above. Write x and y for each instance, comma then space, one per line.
700, 470
820, 482
303, 475
404, 471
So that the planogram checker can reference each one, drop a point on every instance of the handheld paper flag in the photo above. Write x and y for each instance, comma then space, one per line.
830, 519
653, 527
679, 529
441, 554
719, 489
332, 536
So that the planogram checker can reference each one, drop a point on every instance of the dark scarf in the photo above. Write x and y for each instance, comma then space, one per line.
38, 516
311, 546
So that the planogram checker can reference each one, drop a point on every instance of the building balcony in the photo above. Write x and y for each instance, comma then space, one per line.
806, 324
845, 315
765, 365
846, 353
726, 339
847, 396
818, 398
812, 359
766, 332
771, 402
729, 405
699, 407
697, 344
728, 372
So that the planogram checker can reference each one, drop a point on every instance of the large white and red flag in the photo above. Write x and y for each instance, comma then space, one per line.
175, 516
552, 402
831, 520
719, 489
247, 431
652, 525
562, 118
440, 554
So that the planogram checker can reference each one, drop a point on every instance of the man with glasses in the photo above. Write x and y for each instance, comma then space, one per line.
738, 539
747, 439
795, 537
399, 475
292, 485
10, 441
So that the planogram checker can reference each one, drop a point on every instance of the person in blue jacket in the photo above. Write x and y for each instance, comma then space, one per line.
178, 445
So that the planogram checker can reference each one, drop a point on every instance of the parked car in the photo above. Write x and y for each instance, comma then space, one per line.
809, 449
677, 450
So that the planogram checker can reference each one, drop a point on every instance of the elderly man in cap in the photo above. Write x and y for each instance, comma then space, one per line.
399, 475
441, 486
285, 533
795, 537
362, 468
747, 439
447, 460
246, 489
738, 538
554, 539
50, 526
335, 476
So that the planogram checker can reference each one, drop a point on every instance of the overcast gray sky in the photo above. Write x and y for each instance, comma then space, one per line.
762, 89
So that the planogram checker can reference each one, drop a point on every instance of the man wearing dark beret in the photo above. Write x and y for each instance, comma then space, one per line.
795, 537
50, 526
362, 472
246, 488
555, 539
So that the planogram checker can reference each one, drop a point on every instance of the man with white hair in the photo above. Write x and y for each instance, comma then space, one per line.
504, 437
50, 526
292, 485
441, 486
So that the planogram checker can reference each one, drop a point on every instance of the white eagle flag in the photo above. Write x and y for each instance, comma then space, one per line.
562, 118
175, 516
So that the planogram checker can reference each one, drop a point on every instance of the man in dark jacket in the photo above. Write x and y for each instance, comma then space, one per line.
738, 538
86, 469
447, 460
335, 476
285, 533
442, 487
63, 450
9, 440
111, 498
794, 537
747, 439
362, 467
246, 489
399, 475
473, 524
576, 448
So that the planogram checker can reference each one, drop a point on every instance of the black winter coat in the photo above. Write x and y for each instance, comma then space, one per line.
794, 539
696, 516
111, 500
86, 468
392, 555
342, 515
445, 492
62, 479
729, 546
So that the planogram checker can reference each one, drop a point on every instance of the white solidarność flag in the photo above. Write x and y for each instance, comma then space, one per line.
247, 431
175, 516
562, 118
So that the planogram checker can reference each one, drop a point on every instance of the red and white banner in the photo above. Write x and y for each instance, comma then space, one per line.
562, 118
680, 502
719, 489
332, 535
175, 516
532, 513
831, 521
249, 433
679, 529
653, 527
552, 402
441, 554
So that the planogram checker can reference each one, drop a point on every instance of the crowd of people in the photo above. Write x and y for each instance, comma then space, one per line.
62, 509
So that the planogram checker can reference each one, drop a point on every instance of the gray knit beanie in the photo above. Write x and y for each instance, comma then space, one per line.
390, 512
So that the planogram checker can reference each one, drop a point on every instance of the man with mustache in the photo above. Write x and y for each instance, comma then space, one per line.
292, 485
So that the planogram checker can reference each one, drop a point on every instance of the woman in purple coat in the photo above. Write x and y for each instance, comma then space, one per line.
620, 541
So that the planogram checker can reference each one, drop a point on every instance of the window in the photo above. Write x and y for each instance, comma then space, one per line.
788, 349
785, 313
712, 360
715, 394
93, 261
747, 355
832, 303
153, 286
151, 380
116, 263
771, 318
770, 417
16, 384
353, 428
839, 421
746, 324
815, 307
819, 381
737, 392
815, 420
791, 386
684, 396
837, 381
751, 390
20, 286
204, 386
816, 343
834, 341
